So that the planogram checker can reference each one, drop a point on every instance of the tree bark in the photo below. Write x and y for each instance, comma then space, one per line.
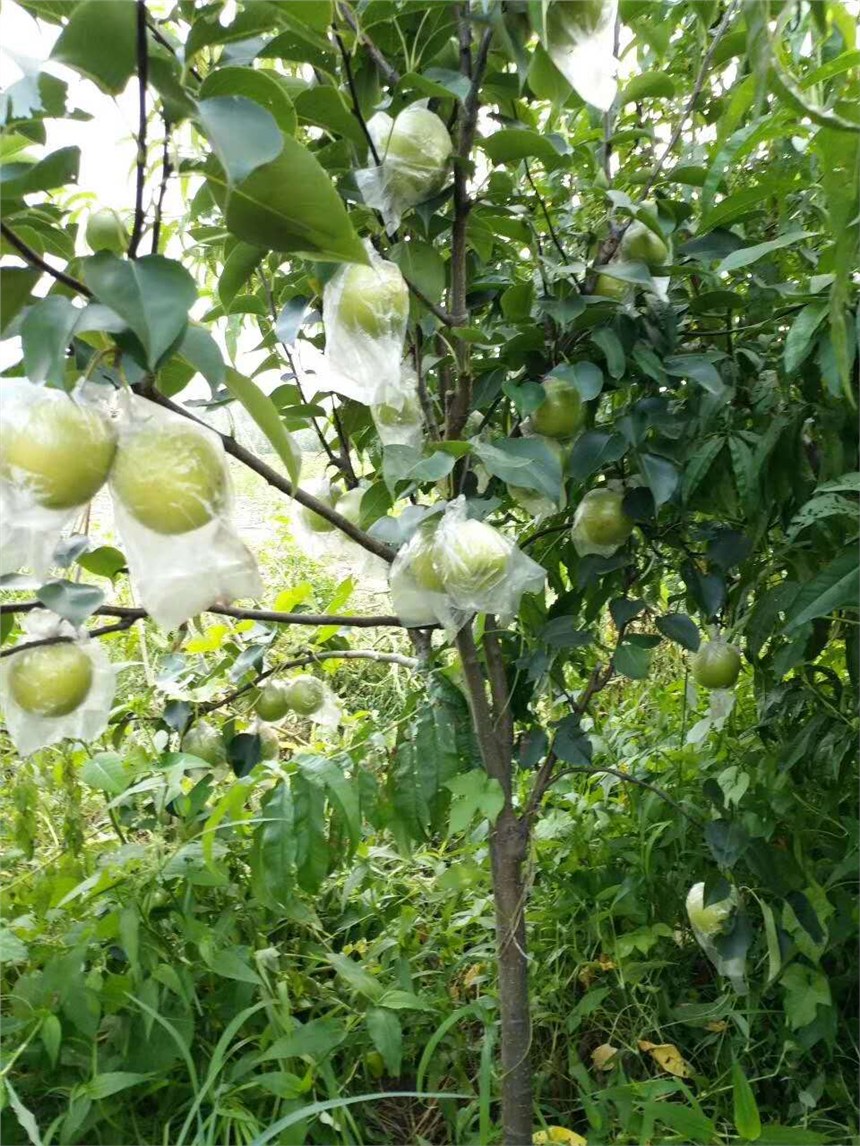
507, 853
508, 845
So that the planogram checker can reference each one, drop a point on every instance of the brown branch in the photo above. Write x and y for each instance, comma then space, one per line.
497, 765
443, 316
308, 659
552, 230
458, 410
389, 74
276, 480
356, 109
119, 627
423, 393
142, 77
166, 172
314, 620
498, 677
35, 260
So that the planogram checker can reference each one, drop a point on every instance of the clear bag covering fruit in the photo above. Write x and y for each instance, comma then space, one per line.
365, 310
709, 924
461, 567
600, 524
61, 691
309, 698
579, 39
399, 419
171, 496
56, 450
414, 152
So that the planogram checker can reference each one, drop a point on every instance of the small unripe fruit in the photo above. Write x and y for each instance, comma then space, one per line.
716, 664
51, 681
374, 299
105, 232
272, 703
60, 451
270, 747
169, 478
474, 559
641, 244
601, 519
608, 287
305, 695
560, 414
204, 740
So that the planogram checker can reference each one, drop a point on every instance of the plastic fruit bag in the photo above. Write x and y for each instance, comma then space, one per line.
171, 496
415, 584
309, 698
579, 39
55, 692
710, 925
399, 419
55, 453
414, 152
365, 310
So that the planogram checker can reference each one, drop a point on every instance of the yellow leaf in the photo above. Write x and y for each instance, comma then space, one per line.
668, 1058
718, 1025
558, 1134
603, 1055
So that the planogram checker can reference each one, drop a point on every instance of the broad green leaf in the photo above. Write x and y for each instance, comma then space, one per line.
229, 964
264, 412
474, 793
276, 843
342, 791
680, 628
16, 284
72, 601
527, 462
611, 345
822, 506
263, 87
152, 294
244, 135
12, 950
289, 205
56, 170
355, 976
325, 107
315, 1040
799, 340
100, 42
511, 145
697, 367
647, 85
593, 451
387, 1036
51, 1034
311, 837
200, 350
112, 1082
747, 255
241, 263
107, 771
587, 377
835, 587
632, 661
24, 1115
46, 332
661, 475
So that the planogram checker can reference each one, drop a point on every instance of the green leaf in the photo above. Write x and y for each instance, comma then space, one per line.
806, 989
510, 145
678, 627
697, 367
593, 451
12, 950
314, 1040
46, 332
70, 600
387, 1036
799, 340
289, 205
200, 350
25, 1117
264, 412
100, 42
610, 344
355, 976
263, 87
107, 772
244, 135
403, 463
562, 633
747, 1119
587, 377
647, 85
422, 265
112, 1082
240, 265
632, 661
330, 774
312, 854
51, 1034
661, 475
276, 847
56, 170
822, 506
16, 285
325, 107
527, 462
152, 294
747, 255
835, 587
229, 964
474, 793
105, 561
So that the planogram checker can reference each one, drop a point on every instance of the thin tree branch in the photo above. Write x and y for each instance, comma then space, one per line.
276, 480
166, 172
497, 765
498, 677
26, 252
356, 108
119, 627
142, 78
423, 393
389, 74
308, 659
552, 230
131, 614
443, 316
345, 457
588, 771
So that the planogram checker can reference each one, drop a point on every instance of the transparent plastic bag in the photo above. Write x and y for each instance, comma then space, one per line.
399, 419
414, 152
711, 926
55, 453
38, 685
580, 42
600, 525
171, 495
461, 567
304, 691
365, 310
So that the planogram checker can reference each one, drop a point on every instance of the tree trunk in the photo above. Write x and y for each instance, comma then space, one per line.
507, 853
508, 844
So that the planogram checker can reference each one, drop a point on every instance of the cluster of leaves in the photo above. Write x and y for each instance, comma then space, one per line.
719, 395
